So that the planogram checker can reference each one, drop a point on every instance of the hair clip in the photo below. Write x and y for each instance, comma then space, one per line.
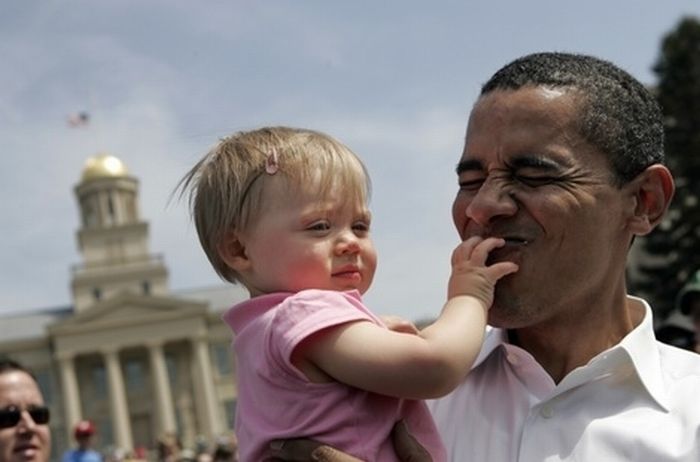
272, 163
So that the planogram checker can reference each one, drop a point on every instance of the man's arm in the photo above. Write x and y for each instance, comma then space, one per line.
302, 450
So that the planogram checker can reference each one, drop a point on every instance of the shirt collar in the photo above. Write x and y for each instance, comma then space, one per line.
638, 347
643, 351
494, 338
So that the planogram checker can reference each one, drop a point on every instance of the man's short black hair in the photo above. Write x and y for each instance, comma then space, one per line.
619, 116
10, 365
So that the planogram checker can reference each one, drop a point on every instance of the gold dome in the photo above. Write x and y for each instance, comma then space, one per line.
103, 166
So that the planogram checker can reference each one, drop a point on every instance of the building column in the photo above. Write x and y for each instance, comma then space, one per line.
207, 406
121, 423
161, 390
71, 394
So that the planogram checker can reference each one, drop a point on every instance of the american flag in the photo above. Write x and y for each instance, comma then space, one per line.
79, 119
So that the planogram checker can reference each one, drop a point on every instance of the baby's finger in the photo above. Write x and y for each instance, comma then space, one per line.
464, 249
483, 248
500, 269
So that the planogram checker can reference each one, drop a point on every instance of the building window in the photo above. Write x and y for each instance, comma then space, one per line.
43, 378
130, 206
223, 358
110, 210
171, 366
134, 375
146, 287
230, 409
89, 213
97, 294
99, 381
105, 431
58, 442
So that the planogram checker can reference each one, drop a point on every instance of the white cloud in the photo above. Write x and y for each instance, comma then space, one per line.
163, 80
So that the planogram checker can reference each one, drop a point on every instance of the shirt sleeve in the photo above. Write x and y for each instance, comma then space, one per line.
306, 313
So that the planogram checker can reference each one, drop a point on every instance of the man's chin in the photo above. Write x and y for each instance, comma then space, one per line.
30, 455
507, 316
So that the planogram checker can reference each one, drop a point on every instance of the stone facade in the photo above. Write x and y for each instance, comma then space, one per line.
137, 359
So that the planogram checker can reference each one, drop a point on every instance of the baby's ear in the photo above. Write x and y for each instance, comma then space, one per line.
232, 252
653, 190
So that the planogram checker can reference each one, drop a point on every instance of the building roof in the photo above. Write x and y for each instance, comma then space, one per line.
32, 324
103, 166
219, 298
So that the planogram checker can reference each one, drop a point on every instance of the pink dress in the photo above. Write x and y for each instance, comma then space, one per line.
276, 401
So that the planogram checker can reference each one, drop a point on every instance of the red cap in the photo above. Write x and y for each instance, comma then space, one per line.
84, 428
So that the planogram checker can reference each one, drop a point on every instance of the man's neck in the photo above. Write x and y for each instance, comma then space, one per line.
562, 345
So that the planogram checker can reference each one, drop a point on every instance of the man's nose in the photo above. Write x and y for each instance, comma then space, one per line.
26, 423
493, 200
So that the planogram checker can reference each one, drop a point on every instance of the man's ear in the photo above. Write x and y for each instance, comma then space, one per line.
653, 190
232, 251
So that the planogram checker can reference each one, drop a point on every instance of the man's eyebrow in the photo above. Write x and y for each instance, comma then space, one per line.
538, 162
468, 165
524, 161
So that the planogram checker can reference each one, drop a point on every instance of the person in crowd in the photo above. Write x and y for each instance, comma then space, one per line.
84, 434
24, 417
689, 304
168, 447
226, 449
285, 212
564, 160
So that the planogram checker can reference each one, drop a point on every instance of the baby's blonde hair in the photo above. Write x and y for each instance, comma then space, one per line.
225, 187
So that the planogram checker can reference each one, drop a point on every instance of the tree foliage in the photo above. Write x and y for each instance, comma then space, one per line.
673, 250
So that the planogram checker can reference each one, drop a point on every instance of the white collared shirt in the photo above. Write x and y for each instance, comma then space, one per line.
637, 401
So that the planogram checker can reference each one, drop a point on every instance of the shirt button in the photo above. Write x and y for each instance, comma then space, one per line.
547, 411
512, 359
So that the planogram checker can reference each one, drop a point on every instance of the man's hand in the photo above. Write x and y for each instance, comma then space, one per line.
303, 450
406, 446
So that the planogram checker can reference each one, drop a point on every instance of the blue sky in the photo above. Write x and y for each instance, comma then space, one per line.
162, 80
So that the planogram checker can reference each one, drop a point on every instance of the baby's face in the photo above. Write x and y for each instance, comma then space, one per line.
303, 241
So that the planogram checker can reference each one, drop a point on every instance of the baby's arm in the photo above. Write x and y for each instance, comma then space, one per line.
428, 365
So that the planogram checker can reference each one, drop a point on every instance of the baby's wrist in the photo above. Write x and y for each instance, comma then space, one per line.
465, 298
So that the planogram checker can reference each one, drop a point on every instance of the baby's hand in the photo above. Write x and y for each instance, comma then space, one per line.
471, 276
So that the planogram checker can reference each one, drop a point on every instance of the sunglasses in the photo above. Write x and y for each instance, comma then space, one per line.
11, 416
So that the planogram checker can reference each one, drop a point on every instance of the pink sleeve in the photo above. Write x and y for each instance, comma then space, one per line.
306, 313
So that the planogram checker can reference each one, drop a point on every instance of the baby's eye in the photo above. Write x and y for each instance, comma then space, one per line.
319, 226
361, 226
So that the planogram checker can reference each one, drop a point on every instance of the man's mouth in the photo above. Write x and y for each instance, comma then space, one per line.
515, 241
509, 251
27, 451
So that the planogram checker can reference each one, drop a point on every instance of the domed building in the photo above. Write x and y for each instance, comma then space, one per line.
129, 354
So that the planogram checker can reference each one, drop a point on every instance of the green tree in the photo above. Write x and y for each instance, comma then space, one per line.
673, 249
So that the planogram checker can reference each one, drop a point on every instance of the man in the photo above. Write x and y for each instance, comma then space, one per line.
84, 433
563, 159
24, 418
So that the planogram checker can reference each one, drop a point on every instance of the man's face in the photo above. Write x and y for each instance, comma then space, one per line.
27, 441
526, 175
